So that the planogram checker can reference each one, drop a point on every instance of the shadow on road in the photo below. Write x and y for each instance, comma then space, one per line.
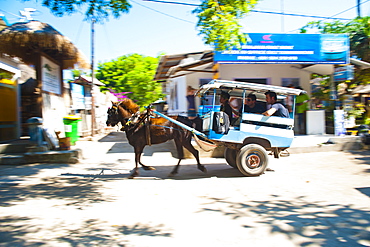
321, 224
93, 232
364, 190
362, 157
186, 172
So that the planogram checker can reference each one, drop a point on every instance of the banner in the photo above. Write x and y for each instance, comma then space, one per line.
50, 74
289, 48
344, 73
339, 123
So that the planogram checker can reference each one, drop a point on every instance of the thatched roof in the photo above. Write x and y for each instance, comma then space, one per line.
26, 39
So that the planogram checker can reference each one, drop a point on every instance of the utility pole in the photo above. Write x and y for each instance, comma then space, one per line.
358, 8
282, 15
92, 78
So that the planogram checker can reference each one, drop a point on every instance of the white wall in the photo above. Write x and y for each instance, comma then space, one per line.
272, 72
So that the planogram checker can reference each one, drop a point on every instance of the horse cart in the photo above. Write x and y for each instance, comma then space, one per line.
250, 138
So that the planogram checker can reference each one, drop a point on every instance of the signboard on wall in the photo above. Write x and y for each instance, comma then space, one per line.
78, 96
289, 48
50, 76
344, 73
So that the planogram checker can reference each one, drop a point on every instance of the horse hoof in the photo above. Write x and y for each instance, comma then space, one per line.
148, 168
133, 175
203, 169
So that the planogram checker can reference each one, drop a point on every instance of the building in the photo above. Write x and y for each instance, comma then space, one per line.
273, 59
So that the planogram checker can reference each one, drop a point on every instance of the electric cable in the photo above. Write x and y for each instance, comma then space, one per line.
269, 12
162, 12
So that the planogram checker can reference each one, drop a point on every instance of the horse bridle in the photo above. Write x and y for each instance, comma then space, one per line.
133, 121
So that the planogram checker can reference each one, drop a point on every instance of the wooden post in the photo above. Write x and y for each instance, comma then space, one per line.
92, 79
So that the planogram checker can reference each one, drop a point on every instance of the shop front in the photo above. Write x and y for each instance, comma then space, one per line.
272, 59
9, 99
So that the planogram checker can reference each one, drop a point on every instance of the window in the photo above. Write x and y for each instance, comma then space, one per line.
259, 81
290, 81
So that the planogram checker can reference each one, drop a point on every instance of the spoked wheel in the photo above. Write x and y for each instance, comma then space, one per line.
252, 160
230, 156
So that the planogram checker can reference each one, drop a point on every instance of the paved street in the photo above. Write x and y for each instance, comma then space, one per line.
310, 199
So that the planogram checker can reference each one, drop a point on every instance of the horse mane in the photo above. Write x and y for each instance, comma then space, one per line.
129, 105
158, 120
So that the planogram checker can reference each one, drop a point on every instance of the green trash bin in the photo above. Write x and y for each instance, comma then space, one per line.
71, 127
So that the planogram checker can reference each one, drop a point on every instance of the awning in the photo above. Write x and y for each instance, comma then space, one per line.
87, 80
170, 65
328, 69
321, 69
361, 89
359, 63
203, 65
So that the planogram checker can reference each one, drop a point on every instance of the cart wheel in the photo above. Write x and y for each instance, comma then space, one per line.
230, 156
252, 160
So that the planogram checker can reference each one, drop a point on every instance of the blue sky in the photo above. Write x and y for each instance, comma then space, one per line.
153, 28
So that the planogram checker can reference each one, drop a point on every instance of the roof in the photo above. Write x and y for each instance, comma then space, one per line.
87, 80
361, 89
26, 39
171, 66
184, 63
254, 87
359, 63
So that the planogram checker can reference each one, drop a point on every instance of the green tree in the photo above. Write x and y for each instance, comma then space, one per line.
132, 73
95, 9
218, 20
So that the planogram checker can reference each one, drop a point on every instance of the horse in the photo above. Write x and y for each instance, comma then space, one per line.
143, 129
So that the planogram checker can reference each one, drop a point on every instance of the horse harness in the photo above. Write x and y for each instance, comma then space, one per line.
137, 120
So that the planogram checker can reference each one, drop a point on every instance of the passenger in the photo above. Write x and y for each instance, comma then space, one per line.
225, 105
252, 106
275, 108
191, 102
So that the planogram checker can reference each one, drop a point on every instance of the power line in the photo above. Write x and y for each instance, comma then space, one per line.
267, 12
297, 15
350, 8
162, 12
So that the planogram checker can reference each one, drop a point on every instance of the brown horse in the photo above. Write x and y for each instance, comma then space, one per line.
142, 129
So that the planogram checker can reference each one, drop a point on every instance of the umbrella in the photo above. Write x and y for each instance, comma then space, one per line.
25, 39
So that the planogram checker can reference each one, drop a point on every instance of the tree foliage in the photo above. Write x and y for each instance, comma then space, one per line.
218, 20
95, 9
132, 73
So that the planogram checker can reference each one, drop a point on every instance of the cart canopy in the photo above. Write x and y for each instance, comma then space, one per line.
236, 89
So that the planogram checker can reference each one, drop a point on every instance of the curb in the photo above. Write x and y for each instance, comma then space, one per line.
68, 156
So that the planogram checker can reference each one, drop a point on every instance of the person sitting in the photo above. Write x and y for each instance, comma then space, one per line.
225, 105
251, 105
275, 108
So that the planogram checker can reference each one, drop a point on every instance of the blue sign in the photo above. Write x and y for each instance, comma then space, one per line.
289, 48
344, 73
